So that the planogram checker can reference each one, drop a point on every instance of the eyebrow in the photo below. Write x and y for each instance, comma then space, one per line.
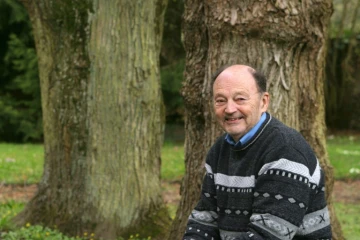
236, 93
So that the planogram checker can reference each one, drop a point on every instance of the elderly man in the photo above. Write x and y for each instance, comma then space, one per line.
263, 180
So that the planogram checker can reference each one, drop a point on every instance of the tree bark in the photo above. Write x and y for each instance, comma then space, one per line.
103, 117
284, 39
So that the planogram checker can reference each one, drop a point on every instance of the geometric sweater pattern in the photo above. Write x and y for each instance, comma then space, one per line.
270, 188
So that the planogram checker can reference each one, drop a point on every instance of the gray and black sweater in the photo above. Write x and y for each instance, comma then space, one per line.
270, 188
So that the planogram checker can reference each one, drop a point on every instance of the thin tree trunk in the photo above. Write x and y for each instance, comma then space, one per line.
103, 117
284, 39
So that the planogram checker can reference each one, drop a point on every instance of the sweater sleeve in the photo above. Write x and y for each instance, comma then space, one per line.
202, 223
288, 200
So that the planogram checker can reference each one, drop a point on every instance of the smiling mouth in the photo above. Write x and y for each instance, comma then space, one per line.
228, 119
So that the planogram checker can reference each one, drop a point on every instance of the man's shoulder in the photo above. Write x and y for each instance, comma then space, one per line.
283, 141
285, 134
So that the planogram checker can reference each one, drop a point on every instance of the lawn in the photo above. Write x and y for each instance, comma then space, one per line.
348, 215
23, 164
344, 155
173, 166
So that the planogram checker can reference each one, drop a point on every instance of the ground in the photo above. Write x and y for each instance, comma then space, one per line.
347, 192
344, 191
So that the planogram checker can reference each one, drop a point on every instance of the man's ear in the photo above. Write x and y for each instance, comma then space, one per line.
265, 100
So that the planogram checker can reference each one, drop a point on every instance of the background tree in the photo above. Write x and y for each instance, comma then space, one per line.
172, 64
172, 49
342, 86
20, 104
284, 39
102, 117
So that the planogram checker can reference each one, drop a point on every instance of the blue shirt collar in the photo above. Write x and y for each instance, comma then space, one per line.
244, 139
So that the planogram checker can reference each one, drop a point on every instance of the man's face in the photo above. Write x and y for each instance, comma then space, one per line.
238, 103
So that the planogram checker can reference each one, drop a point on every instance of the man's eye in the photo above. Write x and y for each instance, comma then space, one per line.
219, 101
241, 100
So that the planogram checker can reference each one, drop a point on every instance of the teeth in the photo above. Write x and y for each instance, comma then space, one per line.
231, 119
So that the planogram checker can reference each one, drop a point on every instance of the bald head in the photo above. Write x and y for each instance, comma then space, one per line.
238, 69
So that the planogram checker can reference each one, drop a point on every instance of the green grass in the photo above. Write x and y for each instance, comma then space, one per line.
7, 211
344, 155
21, 163
348, 215
173, 166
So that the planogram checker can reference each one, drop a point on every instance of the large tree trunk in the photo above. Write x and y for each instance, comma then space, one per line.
103, 117
284, 39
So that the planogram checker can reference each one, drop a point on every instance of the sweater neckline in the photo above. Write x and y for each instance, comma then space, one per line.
256, 135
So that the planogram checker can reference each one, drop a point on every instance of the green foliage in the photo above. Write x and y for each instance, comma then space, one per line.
341, 89
172, 49
22, 98
136, 237
12, 12
20, 106
7, 211
8, 231
172, 60
171, 82
38, 232
342, 18
20, 103
342, 92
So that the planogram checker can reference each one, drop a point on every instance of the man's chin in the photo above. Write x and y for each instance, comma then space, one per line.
235, 135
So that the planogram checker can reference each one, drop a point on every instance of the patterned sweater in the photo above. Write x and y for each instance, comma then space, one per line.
270, 188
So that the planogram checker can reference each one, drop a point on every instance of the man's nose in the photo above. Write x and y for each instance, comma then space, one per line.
230, 107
